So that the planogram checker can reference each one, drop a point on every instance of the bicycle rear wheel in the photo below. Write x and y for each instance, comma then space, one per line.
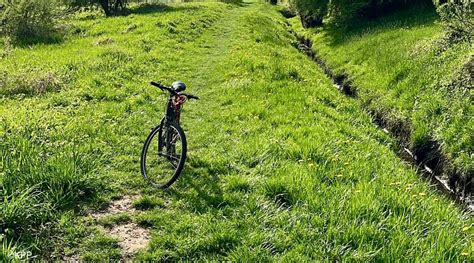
163, 155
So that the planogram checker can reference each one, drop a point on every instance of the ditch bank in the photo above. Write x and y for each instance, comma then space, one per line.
427, 157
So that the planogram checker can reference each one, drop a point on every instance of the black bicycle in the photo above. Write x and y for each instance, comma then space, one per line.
164, 151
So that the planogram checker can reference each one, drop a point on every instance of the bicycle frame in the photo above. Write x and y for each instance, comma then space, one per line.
173, 108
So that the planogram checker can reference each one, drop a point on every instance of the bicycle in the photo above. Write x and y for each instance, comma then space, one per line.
164, 152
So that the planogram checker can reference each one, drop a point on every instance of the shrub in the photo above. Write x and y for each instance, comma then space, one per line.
311, 12
458, 18
27, 19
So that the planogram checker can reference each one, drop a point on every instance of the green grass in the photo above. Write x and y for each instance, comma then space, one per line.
404, 72
148, 202
280, 165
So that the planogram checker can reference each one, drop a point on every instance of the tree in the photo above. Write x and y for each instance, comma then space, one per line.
112, 6
105, 6
109, 6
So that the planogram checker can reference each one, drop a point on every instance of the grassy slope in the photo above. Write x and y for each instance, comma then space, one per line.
280, 164
400, 72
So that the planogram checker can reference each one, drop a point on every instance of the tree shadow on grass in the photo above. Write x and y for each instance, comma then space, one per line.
145, 9
415, 16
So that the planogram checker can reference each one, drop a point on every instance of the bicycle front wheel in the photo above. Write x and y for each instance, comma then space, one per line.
163, 155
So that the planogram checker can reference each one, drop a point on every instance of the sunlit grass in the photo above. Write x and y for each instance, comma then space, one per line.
281, 166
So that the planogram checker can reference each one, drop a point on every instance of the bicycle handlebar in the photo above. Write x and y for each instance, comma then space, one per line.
174, 93
190, 96
163, 88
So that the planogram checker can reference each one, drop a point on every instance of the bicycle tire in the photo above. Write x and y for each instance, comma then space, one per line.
169, 178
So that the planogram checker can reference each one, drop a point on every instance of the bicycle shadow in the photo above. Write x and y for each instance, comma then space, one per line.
204, 182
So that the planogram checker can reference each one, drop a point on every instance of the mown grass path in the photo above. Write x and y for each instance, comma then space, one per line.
281, 166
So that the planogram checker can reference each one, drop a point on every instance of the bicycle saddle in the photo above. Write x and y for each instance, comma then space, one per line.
178, 86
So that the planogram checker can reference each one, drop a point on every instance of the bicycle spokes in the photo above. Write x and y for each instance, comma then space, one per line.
163, 154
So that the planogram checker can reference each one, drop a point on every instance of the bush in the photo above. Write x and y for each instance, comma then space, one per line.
458, 20
30, 20
311, 12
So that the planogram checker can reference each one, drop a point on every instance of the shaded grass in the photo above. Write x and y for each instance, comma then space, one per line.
281, 166
408, 18
148, 202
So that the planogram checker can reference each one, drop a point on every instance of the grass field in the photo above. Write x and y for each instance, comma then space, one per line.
405, 73
281, 166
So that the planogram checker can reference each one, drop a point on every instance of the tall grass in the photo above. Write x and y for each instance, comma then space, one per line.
40, 177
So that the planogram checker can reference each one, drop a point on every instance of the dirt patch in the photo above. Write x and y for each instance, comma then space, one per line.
72, 258
122, 205
132, 237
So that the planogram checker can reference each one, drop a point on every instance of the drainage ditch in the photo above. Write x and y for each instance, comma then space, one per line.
431, 163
